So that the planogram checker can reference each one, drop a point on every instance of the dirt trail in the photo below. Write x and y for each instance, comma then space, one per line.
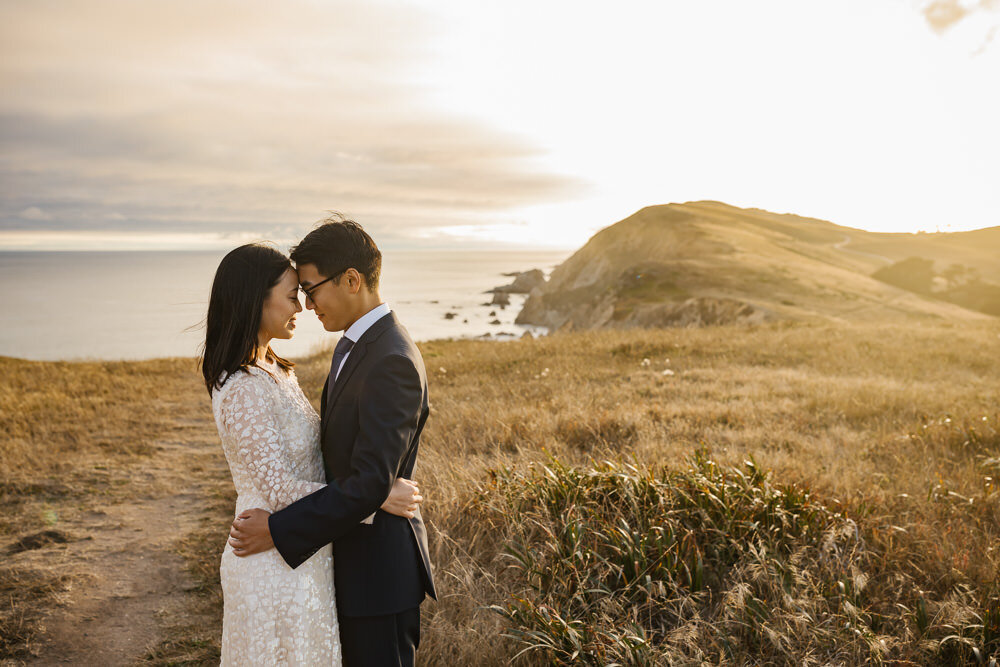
842, 245
132, 584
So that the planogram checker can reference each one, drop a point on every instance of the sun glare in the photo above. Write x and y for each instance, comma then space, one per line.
517, 123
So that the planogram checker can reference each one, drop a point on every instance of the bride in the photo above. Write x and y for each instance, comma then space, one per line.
270, 435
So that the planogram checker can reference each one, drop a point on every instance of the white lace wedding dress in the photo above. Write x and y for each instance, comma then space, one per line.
274, 615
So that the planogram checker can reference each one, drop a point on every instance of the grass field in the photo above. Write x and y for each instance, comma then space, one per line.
786, 493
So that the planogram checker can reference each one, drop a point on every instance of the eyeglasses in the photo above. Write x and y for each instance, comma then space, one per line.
308, 292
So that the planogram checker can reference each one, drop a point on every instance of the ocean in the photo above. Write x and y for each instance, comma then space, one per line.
144, 305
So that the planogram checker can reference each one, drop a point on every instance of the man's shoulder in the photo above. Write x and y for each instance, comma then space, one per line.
393, 338
397, 350
395, 346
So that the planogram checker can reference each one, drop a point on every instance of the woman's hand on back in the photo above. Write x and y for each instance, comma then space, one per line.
403, 499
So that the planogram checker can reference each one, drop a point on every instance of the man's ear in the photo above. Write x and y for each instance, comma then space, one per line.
354, 280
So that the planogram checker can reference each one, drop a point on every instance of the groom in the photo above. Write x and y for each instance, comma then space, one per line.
373, 409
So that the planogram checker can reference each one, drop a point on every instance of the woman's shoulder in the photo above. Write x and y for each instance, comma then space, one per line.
247, 380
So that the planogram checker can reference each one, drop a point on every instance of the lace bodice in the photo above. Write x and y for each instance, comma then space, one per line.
270, 435
272, 614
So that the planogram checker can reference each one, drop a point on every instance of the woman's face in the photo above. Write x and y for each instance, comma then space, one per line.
277, 320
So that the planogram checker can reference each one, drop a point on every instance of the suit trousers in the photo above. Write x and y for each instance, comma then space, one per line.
380, 641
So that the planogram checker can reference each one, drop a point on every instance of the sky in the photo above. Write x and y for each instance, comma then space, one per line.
135, 124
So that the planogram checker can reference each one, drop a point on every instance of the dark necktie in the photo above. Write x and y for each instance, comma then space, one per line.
344, 346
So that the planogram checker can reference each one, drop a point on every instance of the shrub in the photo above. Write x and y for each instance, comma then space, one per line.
621, 564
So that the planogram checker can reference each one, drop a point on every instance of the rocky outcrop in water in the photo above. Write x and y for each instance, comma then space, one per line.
523, 283
501, 299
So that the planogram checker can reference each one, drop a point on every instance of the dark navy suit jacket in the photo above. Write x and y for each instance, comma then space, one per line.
370, 435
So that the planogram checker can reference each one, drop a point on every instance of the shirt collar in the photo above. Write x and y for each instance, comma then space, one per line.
356, 330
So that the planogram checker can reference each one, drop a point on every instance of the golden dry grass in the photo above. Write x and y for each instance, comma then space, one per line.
856, 413
874, 419
76, 438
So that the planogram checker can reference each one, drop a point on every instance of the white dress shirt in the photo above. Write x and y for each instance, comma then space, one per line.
355, 331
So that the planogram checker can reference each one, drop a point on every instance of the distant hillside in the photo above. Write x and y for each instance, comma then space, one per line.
956, 283
703, 263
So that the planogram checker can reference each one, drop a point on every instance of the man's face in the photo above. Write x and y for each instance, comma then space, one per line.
331, 300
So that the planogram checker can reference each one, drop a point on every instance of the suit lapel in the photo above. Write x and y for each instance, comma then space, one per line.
353, 361
322, 396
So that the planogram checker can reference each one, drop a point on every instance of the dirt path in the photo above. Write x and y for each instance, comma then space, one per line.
131, 584
842, 245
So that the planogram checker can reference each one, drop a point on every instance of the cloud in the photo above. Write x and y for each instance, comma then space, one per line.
944, 15
231, 117
34, 213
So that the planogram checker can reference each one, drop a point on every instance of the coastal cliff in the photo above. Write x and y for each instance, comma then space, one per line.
707, 263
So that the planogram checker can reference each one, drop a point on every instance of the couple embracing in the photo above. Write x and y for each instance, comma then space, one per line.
327, 560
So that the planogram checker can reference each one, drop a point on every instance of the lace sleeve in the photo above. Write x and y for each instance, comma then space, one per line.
248, 416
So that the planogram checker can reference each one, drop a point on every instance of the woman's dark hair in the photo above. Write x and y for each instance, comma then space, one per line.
242, 282
336, 245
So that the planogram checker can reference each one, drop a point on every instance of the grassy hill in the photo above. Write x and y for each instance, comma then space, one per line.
709, 263
782, 493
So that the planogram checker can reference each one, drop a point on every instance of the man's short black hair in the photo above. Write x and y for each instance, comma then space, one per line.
338, 244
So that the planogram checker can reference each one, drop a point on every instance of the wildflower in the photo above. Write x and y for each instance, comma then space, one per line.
646, 362
668, 372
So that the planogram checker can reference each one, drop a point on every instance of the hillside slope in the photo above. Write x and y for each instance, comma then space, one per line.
703, 263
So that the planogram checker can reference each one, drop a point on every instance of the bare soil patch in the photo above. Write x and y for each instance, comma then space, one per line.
94, 569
